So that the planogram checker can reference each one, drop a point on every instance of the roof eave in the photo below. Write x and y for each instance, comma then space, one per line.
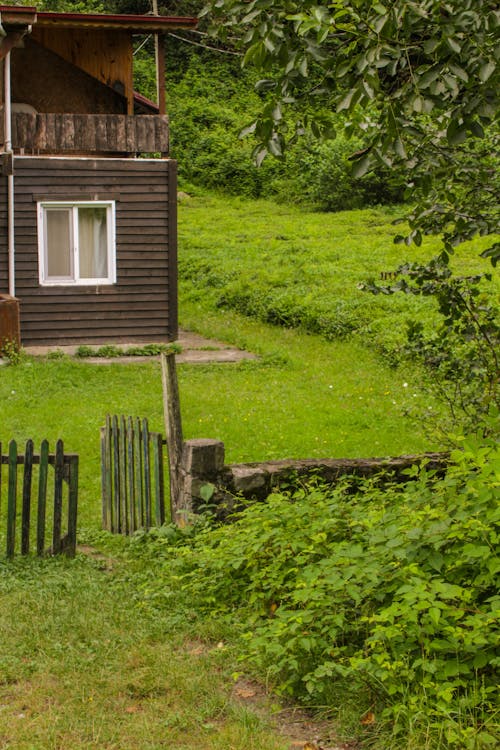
17, 15
134, 24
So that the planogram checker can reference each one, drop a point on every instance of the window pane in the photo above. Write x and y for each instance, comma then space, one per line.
58, 243
93, 242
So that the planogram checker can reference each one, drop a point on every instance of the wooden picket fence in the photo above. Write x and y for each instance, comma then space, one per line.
65, 472
133, 493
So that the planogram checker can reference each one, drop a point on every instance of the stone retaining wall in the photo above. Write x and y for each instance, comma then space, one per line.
207, 478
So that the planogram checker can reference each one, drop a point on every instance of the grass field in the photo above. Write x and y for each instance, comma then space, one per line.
283, 265
84, 665
305, 397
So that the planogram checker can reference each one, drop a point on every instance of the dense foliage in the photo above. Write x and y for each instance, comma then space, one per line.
419, 79
382, 591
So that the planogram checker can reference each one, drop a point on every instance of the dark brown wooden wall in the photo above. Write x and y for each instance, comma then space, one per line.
142, 305
51, 84
104, 54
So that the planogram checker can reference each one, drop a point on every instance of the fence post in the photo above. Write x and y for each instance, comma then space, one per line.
72, 505
42, 497
138, 483
11, 500
26, 511
173, 428
130, 475
58, 497
159, 479
116, 477
147, 474
106, 480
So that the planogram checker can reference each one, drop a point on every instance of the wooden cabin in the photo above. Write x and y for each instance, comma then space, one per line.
87, 191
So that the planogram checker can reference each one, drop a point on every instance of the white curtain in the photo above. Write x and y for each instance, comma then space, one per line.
93, 242
58, 243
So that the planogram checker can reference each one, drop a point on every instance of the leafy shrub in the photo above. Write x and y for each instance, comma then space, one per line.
460, 351
211, 100
320, 174
388, 591
11, 351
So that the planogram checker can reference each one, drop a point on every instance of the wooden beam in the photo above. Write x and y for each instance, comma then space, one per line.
160, 72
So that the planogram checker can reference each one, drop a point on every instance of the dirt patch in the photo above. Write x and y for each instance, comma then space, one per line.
299, 728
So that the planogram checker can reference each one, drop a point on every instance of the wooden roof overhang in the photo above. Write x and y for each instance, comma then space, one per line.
18, 21
19, 16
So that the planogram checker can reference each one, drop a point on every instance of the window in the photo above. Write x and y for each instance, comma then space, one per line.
76, 243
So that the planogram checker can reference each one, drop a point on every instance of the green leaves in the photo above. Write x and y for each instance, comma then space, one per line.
373, 584
419, 81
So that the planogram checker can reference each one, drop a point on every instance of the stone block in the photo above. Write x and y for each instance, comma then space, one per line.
248, 479
203, 457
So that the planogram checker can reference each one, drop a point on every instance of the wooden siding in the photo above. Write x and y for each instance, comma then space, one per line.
76, 133
142, 305
49, 83
105, 55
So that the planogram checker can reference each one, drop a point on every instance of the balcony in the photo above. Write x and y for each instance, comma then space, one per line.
55, 133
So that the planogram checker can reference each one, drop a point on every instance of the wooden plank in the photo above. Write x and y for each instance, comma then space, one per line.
101, 133
26, 502
173, 428
51, 140
172, 281
130, 137
106, 481
11, 499
58, 497
68, 132
147, 475
122, 447
40, 135
131, 476
72, 506
42, 497
138, 472
162, 134
117, 521
159, 479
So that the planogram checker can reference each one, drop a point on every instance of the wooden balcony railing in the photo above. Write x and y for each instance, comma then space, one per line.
55, 133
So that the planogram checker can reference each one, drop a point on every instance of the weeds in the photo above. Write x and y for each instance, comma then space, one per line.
11, 351
111, 351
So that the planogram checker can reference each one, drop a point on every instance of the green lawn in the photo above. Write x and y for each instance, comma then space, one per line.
84, 664
304, 398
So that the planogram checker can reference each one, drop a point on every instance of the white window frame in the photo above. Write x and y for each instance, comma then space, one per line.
75, 280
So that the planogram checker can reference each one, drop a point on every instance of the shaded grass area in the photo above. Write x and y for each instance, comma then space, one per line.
84, 665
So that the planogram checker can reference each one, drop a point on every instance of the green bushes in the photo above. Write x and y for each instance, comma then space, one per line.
389, 593
210, 101
319, 174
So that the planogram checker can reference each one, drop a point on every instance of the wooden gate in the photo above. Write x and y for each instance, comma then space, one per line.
65, 472
133, 493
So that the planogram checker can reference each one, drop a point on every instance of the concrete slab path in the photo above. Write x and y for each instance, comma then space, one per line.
195, 349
